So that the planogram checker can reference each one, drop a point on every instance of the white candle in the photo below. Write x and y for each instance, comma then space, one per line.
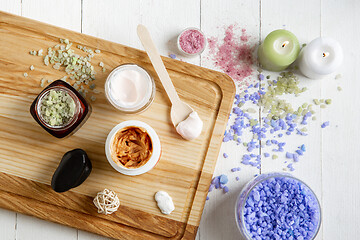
320, 57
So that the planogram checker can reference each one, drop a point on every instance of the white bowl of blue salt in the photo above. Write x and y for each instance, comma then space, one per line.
277, 206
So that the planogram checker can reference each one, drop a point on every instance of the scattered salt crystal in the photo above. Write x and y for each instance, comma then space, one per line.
261, 77
212, 186
328, 101
325, 124
290, 167
299, 152
232, 56
223, 179
225, 155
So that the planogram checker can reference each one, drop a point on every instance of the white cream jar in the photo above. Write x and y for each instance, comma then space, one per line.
130, 88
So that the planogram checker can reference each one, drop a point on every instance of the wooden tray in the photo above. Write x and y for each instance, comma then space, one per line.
29, 155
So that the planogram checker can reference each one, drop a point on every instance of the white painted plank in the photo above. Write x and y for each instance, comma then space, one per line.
11, 6
66, 14
112, 20
304, 22
7, 224
340, 147
218, 219
29, 228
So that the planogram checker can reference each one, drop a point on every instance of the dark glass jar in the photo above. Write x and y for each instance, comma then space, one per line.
81, 113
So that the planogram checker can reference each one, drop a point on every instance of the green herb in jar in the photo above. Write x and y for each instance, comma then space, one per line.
57, 108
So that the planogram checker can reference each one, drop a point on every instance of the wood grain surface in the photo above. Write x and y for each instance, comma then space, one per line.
29, 155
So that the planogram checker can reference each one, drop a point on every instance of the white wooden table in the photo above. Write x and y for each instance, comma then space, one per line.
331, 163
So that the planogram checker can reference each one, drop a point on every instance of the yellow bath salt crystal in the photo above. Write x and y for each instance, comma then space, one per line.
338, 76
316, 101
251, 110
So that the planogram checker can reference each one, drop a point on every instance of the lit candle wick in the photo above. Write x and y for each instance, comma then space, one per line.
285, 43
325, 54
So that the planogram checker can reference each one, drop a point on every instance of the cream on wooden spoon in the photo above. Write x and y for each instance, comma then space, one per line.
186, 121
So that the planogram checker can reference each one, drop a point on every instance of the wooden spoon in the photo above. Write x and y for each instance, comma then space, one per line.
179, 110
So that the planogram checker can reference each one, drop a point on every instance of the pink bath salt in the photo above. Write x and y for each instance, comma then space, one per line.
244, 37
192, 41
234, 55
212, 45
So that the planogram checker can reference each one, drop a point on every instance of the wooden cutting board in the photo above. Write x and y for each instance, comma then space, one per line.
29, 155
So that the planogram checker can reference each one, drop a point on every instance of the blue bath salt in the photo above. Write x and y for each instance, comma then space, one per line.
289, 155
290, 167
299, 152
223, 179
325, 124
236, 169
261, 77
295, 157
281, 208
302, 147
225, 155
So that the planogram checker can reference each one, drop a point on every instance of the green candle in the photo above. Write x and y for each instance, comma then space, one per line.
279, 49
